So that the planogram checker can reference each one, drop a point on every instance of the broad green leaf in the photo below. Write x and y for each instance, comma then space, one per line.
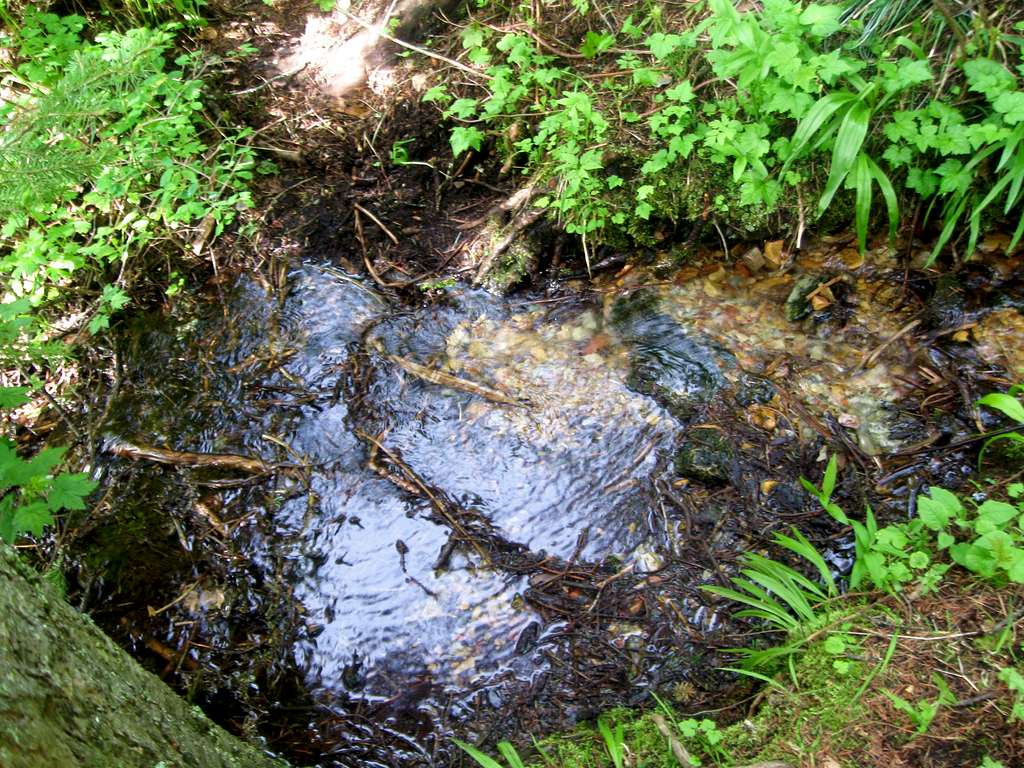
663, 45
465, 137
1011, 105
997, 512
822, 19
473, 36
1008, 406
934, 512
595, 44
462, 109
834, 645
32, 518
7, 519
988, 77
68, 491
439, 93
12, 397
16, 471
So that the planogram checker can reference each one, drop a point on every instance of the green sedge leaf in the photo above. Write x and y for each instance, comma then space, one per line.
849, 140
481, 759
889, 195
817, 116
862, 182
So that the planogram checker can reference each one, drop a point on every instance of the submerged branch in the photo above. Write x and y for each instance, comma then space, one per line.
140, 452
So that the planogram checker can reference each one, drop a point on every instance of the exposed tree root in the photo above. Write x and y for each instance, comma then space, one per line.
498, 230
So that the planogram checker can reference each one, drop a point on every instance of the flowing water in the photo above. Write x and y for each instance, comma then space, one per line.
490, 516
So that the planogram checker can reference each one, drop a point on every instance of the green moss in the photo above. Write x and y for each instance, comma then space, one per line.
518, 261
823, 706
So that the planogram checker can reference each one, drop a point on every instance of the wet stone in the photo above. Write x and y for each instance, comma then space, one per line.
945, 309
798, 305
679, 371
705, 455
753, 390
787, 497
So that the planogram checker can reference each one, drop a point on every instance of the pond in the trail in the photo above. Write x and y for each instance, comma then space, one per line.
487, 505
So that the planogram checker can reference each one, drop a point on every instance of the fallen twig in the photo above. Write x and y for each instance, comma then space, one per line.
126, 450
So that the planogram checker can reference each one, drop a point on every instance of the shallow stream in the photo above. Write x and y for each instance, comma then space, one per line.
488, 516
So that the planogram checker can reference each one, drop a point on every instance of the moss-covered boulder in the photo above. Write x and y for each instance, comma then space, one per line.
705, 456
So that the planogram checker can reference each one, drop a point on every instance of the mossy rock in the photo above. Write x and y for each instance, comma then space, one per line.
798, 305
705, 456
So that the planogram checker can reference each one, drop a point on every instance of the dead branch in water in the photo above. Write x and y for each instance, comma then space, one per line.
434, 376
140, 452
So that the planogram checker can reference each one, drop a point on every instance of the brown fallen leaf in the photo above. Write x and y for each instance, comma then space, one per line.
597, 342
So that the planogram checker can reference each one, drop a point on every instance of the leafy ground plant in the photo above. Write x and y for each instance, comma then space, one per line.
103, 162
31, 492
753, 115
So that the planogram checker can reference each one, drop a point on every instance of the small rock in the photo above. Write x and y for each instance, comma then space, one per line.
798, 304
705, 455
945, 309
773, 254
753, 260
762, 417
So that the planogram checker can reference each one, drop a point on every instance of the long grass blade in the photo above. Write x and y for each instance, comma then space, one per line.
892, 205
481, 759
798, 544
862, 209
849, 140
816, 117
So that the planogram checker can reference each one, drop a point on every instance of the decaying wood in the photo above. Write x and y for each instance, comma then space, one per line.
518, 199
509, 233
140, 452
434, 376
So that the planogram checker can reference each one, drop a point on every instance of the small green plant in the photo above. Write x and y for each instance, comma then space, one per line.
922, 713
781, 596
614, 741
796, 106
704, 735
888, 557
1010, 406
1014, 680
486, 761
30, 491
103, 161
777, 593
439, 284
